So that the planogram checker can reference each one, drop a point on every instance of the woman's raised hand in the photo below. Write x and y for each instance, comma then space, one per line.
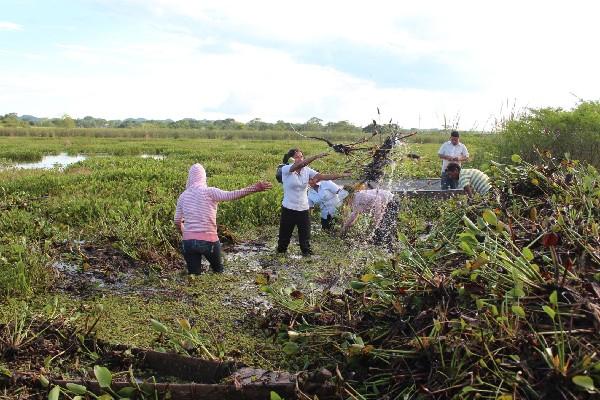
263, 185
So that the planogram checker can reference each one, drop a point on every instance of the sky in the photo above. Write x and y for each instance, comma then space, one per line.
422, 64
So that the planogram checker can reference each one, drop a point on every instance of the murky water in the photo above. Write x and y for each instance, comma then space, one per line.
49, 162
153, 156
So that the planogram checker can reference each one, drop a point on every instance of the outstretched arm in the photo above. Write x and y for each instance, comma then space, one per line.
331, 177
299, 165
223, 195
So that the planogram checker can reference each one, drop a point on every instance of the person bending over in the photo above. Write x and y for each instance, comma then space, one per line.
328, 196
471, 180
196, 218
383, 208
294, 207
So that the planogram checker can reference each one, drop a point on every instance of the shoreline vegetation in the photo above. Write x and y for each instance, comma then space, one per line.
495, 297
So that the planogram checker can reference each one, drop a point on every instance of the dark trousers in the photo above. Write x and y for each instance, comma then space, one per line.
448, 183
193, 250
386, 231
327, 223
289, 220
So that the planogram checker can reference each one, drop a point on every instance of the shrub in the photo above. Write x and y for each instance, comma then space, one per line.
576, 132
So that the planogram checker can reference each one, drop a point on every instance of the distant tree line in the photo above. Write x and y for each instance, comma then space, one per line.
13, 120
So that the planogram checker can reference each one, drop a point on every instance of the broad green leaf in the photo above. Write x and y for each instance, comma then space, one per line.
368, 277
275, 396
103, 376
490, 217
105, 396
585, 382
127, 391
77, 389
54, 393
516, 158
551, 313
518, 310
527, 254
517, 292
158, 326
267, 289
357, 285
554, 298
290, 348
466, 248
44, 381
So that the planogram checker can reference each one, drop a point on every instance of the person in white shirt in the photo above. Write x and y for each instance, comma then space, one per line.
452, 151
294, 208
328, 197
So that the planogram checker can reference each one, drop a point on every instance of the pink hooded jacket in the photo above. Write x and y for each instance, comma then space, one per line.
373, 201
197, 206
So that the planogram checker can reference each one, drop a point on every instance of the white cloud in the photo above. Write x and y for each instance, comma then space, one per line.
535, 52
166, 81
10, 26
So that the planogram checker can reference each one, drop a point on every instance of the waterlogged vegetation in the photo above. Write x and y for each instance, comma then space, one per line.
482, 298
500, 299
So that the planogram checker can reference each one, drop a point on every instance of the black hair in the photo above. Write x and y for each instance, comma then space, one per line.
453, 167
289, 155
454, 134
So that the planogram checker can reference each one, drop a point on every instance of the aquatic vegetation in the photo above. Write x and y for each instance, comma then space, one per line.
498, 298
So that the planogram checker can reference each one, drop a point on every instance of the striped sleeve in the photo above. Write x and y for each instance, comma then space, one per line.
222, 195
480, 182
476, 179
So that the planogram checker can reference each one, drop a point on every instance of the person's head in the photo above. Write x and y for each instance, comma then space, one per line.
453, 171
196, 176
454, 137
314, 183
296, 154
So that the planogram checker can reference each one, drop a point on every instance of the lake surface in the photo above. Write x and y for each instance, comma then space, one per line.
153, 156
49, 162
62, 160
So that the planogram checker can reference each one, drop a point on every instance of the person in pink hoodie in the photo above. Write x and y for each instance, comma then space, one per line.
196, 218
380, 204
